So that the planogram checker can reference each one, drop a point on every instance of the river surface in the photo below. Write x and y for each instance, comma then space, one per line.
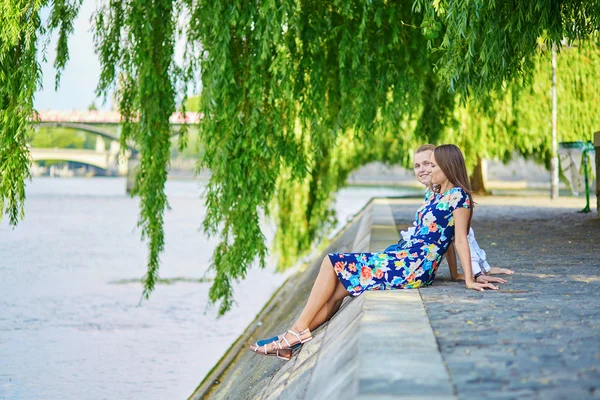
70, 324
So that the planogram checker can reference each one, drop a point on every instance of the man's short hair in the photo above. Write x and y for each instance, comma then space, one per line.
425, 147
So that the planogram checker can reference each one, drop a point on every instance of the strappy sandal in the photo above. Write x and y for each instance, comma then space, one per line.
274, 339
297, 343
280, 352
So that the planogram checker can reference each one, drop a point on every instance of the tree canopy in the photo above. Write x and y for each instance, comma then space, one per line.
295, 95
486, 44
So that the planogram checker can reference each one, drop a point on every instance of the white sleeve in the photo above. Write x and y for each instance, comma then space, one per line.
475, 267
485, 265
408, 233
477, 254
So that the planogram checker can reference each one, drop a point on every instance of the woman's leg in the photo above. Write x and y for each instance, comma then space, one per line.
327, 311
325, 293
330, 308
322, 291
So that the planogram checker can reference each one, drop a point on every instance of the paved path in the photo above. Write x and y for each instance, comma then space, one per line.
539, 336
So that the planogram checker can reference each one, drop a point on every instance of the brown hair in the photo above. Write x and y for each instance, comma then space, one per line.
452, 163
425, 147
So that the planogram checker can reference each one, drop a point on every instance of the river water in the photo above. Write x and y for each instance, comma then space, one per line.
70, 324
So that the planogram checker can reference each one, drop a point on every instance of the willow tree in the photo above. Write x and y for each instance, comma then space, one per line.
136, 42
285, 85
487, 44
295, 94
578, 86
20, 77
519, 119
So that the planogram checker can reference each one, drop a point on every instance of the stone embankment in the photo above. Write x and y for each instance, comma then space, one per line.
536, 338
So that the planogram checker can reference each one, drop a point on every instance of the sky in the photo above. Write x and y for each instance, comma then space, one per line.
80, 76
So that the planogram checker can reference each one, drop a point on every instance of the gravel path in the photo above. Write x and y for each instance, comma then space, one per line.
539, 336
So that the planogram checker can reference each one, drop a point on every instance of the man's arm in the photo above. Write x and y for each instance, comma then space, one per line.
477, 255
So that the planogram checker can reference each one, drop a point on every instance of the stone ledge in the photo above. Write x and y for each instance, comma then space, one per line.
378, 346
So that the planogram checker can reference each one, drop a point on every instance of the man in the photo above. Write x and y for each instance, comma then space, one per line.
479, 263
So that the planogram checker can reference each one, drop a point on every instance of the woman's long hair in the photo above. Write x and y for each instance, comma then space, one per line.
450, 159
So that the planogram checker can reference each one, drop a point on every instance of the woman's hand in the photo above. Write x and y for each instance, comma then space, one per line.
496, 270
459, 277
481, 286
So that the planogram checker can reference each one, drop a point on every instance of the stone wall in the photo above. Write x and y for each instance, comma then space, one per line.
378, 345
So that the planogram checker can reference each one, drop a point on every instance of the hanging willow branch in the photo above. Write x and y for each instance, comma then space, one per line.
283, 84
489, 43
135, 40
20, 77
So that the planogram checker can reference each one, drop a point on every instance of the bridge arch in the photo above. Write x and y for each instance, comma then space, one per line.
102, 132
89, 157
108, 161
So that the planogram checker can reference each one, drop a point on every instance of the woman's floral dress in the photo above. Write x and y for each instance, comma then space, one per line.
416, 262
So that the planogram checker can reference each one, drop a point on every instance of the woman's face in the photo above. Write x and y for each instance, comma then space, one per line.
436, 173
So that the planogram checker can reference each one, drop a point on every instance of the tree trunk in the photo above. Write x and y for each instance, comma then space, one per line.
479, 177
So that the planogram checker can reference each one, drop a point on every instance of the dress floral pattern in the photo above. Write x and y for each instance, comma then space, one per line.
415, 262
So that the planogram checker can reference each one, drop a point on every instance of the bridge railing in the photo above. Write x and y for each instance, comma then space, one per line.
105, 117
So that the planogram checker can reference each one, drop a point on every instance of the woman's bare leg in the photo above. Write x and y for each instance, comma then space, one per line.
330, 308
327, 311
322, 291
325, 287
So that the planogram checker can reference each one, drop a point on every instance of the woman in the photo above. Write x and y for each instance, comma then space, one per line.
445, 215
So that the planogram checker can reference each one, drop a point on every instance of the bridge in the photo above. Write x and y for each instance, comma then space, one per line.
98, 123
110, 160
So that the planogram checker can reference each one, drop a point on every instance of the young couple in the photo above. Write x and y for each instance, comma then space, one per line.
441, 227
480, 266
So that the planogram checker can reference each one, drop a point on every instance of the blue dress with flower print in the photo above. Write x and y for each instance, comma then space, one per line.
416, 262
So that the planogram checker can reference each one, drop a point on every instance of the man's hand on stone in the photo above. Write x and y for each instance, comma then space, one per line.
482, 279
489, 279
496, 270
481, 286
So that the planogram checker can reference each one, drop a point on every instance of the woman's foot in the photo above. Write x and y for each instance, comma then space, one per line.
272, 349
294, 337
282, 346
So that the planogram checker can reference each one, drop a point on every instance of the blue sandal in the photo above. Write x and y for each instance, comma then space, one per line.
274, 339
267, 341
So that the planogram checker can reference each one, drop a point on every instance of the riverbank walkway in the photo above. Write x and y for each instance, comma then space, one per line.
538, 337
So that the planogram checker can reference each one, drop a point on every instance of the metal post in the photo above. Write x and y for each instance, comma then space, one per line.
597, 147
554, 160
587, 183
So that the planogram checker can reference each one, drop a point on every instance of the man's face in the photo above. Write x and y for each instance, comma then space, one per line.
422, 167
